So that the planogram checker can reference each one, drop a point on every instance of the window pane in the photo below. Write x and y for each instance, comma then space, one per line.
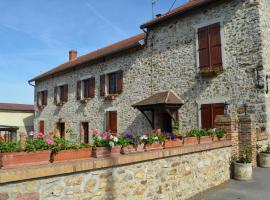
112, 83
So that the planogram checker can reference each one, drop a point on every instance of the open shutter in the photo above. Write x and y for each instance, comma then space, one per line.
79, 90
206, 116
55, 95
91, 87
215, 45
42, 127
65, 93
113, 122
38, 98
218, 109
102, 85
203, 47
119, 80
46, 97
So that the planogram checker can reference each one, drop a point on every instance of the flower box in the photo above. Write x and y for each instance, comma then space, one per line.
101, 152
216, 139
128, 149
115, 151
211, 71
154, 146
205, 139
111, 97
140, 148
16, 159
173, 143
72, 154
190, 141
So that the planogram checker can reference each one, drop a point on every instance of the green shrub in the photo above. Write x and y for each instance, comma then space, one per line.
246, 154
7, 147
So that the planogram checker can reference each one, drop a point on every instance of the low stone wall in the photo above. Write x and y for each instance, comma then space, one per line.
177, 173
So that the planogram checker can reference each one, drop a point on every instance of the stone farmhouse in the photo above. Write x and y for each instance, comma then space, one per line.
197, 61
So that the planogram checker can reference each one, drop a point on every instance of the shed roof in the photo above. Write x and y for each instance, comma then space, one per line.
16, 107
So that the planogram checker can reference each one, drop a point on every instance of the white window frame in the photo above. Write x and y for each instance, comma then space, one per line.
208, 23
207, 101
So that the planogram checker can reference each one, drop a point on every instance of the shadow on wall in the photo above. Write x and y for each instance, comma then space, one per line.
139, 123
29, 123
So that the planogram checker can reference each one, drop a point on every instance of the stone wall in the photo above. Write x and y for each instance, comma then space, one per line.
171, 177
168, 61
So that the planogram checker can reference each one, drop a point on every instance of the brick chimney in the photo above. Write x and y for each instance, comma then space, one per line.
72, 55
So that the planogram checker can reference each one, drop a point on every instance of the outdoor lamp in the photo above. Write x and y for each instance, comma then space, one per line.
245, 108
259, 81
226, 107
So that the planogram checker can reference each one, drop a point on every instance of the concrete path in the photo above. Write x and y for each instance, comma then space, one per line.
258, 189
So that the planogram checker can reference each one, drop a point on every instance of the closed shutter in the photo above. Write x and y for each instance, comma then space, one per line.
215, 45
102, 85
65, 93
55, 95
42, 127
111, 120
79, 90
46, 97
206, 116
218, 109
119, 83
38, 98
91, 87
203, 47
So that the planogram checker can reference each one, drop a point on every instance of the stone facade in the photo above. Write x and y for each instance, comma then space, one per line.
169, 61
178, 177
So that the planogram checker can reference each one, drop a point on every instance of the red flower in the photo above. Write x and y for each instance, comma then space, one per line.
51, 133
95, 132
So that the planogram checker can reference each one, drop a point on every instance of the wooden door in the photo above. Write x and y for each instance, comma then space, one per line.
112, 121
85, 131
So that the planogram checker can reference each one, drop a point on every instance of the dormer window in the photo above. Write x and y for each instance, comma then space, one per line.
42, 99
86, 89
61, 95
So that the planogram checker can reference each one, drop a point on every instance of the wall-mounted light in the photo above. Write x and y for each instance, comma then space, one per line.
259, 79
266, 83
226, 107
245, 108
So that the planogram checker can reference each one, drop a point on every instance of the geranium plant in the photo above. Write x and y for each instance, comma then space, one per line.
150, 139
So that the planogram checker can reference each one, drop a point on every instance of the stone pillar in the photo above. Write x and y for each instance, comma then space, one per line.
229, 123
247, 135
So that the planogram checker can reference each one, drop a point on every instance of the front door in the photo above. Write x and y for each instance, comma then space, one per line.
112, 121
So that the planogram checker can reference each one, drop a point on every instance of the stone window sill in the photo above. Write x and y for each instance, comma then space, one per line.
111, 97
211, 71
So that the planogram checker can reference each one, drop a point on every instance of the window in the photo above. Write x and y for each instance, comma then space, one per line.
209, 46
111, 84
42, 98
209, 113
111, 121
42, 126
61, 94
61, 129
85, 132
86, 89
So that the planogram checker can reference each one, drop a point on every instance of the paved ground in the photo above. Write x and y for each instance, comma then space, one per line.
258, 189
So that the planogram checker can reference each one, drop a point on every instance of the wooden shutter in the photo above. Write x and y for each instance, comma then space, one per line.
65, 93
102, 85
42, 127
119, 82
46, 97
217, 109
55, 95
91, 87
206, 116
38, 98
79, 90
203, 47
215, 45
112, 121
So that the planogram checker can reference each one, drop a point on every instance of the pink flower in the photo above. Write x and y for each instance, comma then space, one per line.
51, 133
50, 141
95, 132
40, 134
103, 135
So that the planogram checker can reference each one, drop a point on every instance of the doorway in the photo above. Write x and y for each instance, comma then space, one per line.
61, 129
85, 132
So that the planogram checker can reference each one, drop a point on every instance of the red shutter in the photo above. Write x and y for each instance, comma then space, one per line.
218, 109
203, 47
215, 45
102, 85
65, 93
206, 116
79, 90
91, 87
38, 98
46, 97
119, 83
113, 121
55, 95
42, 127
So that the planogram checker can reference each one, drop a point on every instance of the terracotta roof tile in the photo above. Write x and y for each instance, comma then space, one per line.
106, 51
16, 107
190, 5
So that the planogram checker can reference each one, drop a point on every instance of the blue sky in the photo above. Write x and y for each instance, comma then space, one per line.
36, 35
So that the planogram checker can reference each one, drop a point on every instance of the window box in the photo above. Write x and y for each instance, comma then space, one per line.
41, 107
190, 141
85, 100
173, 143
17, 159
111, 97
154, 146
140, 148
65, 155
115, 151
210, 71
101, 152
216, 139
60, 104
128, 149
205, 139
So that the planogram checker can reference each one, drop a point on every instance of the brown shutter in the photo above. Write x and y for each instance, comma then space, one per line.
206, 116
65, 93
113, 121
79, 89
38, 98
55, 95
215, 45
218, 109
119, 83
46, 97
42, 127
102, 85
91, 87
203, 47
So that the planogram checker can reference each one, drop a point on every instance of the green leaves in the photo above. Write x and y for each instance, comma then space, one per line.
246, 154
7, 147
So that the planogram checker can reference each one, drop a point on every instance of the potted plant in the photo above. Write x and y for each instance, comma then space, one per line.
35, 151
171, 140
191, 138
152, 142
264, 157
115, 146
204, 136
128, 143
219, 134
243, 167
101, 145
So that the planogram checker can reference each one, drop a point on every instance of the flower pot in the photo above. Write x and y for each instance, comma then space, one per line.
242, 171
128, 149
154, 146
72, 154
101, 152
115, 151
205, 140
173, 143
264, 160
140, 148
190, 141
216, 139
16, 159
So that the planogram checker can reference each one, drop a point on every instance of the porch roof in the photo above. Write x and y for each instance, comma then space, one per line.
8, 128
